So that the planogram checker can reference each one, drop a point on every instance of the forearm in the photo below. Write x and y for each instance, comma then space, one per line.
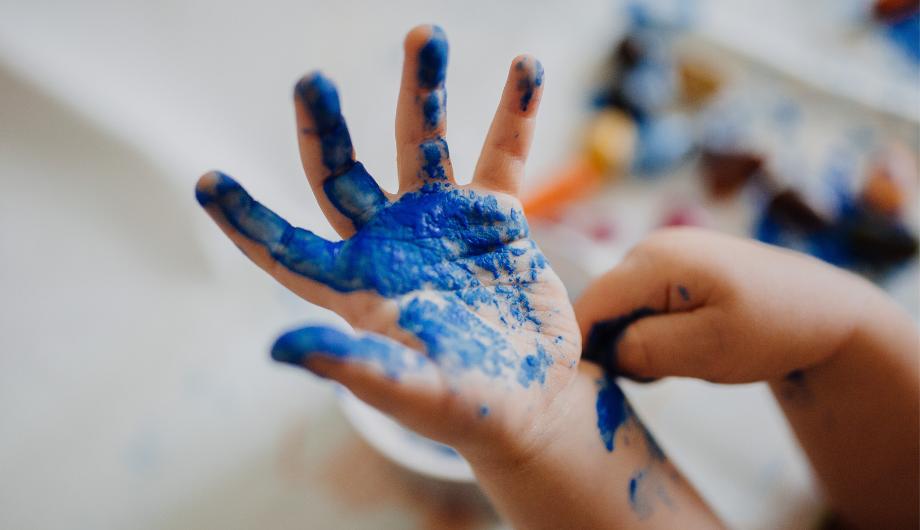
856, 416
575, 481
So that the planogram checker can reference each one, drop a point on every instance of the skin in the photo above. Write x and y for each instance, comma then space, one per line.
537, 450
840, 357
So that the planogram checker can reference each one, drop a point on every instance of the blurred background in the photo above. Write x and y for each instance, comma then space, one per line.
136, 389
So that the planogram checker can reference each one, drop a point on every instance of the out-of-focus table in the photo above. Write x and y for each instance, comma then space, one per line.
135, 385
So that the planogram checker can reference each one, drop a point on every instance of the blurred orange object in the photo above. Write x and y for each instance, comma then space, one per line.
609, 146
574, 181
892, 179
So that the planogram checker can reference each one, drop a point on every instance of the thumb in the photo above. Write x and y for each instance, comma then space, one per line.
685, 344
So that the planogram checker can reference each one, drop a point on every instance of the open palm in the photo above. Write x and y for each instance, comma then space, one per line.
467, 328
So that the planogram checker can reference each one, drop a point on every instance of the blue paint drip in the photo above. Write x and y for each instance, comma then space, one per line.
533, 367
604, 336
527, 85
612, 410
321, 100
432, 60
435, 154
295, 347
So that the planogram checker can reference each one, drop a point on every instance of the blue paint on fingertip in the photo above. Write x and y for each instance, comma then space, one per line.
295, 347
529, 83
483, 411
432, 60
321, 99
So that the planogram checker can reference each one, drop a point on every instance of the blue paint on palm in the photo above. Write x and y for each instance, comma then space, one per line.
612, 410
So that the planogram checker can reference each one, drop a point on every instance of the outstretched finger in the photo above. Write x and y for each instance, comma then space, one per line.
299, 259
347, 194
421, 112
381, 371
501, 163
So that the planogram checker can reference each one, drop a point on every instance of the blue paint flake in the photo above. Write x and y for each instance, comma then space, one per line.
533, 367
612, 410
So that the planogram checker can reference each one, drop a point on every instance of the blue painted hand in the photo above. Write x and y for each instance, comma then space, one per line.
461, 312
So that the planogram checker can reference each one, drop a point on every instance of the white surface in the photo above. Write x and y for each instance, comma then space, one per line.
135, 385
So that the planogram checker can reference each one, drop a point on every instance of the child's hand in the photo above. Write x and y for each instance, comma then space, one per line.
686, 302
840, 357
469, 333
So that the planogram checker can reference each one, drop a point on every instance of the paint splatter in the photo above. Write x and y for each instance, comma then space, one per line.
612, 410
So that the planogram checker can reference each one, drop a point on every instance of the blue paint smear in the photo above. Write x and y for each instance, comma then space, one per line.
533, 367
434, 154
433, 108
432, 60
604, 336
433, 245
295, 347
637, 499
321, 100
456, 338
612, 410
355, 194
483, 411
527, 85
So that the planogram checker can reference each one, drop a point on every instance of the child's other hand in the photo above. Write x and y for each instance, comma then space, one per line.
686, 302
469, 334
